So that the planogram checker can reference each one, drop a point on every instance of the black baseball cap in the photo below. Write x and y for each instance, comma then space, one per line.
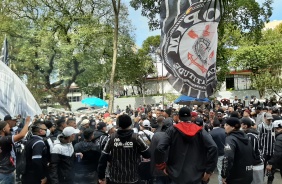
8, 117
184, 114
101, 125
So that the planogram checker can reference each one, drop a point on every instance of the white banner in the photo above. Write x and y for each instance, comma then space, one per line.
15, 98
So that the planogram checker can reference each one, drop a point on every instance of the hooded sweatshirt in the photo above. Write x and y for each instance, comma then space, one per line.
237, 166
192, 152
253, 137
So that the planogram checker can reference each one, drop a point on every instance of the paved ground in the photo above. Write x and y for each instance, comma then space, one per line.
277, 179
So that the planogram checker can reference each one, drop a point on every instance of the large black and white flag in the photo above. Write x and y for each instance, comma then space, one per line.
15, 98
189, 45
4, 53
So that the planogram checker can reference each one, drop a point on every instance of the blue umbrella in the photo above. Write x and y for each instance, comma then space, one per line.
186, 100
94, 101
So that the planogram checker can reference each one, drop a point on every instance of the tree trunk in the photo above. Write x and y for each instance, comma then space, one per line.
116, 6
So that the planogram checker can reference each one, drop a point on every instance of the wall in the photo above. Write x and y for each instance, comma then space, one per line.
123, 102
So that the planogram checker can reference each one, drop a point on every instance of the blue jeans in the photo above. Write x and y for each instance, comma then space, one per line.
219, 168
7, 178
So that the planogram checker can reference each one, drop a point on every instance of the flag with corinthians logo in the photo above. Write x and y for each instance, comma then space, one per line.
189, 45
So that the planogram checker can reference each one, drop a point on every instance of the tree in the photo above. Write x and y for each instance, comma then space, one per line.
264, 60
56, 41
116, 7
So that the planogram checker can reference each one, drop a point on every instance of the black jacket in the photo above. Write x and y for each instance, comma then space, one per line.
62, 163
154, 143
218, 134
237, 164
192, 152
56, 133
123, 151
91, 154
36, 160
253, 137
276, 159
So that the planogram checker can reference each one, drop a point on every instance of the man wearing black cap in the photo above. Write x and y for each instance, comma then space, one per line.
237, 165
12, 122
246, 125
123, 151
7, 165
190, 147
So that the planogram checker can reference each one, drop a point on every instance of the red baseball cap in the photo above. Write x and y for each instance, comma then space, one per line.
194, 114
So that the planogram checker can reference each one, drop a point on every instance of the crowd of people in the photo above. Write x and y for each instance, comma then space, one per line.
242, 140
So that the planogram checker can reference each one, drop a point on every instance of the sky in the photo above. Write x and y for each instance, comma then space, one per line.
142, 29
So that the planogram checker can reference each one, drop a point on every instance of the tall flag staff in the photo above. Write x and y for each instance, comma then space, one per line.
4, 53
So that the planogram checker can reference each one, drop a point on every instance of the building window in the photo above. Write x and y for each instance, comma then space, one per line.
74, 99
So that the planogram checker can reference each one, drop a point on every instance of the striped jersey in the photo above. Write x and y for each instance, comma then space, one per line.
266, 138
125, 157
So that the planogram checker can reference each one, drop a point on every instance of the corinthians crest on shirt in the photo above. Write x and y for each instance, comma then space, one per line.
190, 49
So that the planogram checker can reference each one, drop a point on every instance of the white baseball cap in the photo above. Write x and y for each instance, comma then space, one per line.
277, 124
84, 122
68, 131
146, 123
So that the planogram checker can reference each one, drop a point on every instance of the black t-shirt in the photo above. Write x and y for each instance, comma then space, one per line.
6, 160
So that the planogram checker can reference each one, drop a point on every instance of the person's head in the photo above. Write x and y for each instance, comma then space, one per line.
194, 115
246, 123
184, 114
146, 124
199, 122
277, 126
268, 118
158, 112
236, 98
124, 121
85, 123
68, 134
175, 117
232, 124
88, 134
51, 126
71, 122
40, 129
219, 116
258, 109
5, 128
11, 121
167, 113
101, 126
60, 123
160, 120
247, 113
150, 114
265, 109
216, 123
110, 129
275, 110
235, 114
230, 109
246, 97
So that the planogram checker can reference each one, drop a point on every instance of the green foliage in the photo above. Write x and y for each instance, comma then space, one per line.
60, 42
264, 60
